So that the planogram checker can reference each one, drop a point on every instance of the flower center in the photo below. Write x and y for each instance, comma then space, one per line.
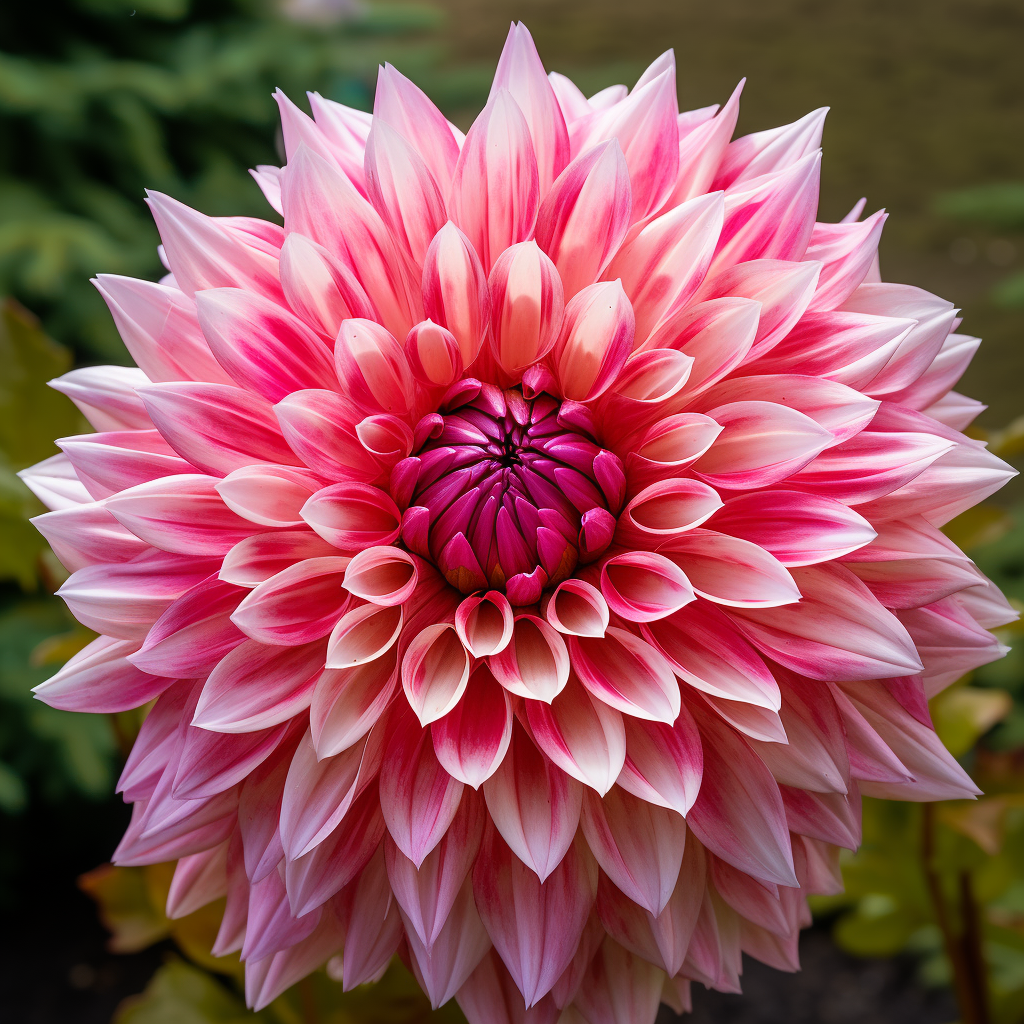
509, 497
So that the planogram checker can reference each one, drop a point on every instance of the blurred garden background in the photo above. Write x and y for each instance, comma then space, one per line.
100, 99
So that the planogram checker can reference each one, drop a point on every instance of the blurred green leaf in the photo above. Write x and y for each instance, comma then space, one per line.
182, 994
999, 205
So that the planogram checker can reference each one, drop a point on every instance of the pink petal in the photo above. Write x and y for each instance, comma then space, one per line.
455, 289
535, 926
321, 290
663, 266
418, 797
159, 328
627, 674
761, 443
352, 516
87, 535
322, 204
403, 190
382, 575
710, 654
638, 845
837, 631
783, 288
739, 814
496, 187
124, 599
435, 672
262, 346
522, 74
491, 996
731, 571
363, 634
268, 495
716, 334
534, 805
472, 739
595, 339
620, 988
526, 307
435, 358
318, 427
319, 793
645, 126
443, 967
203, 254
664, 763
100, 679
770, 151
113, 461
105, 396
535, 663
428, 893
257, 686
406, 108
216, 427
846, 252
315, 877
374, 926
700, 151
55, 483
298, 605
797, 528
194, 633
372, 369
666, 509
584, 216
254, 560
346, 703
770, 217
484, 623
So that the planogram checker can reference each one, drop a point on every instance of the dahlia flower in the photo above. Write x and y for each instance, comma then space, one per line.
531, 550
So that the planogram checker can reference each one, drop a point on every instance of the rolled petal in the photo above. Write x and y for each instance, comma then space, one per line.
642, 586
372, 369
484, 623
577, 608
435, 672
352, 516
595, 339
455, 291
434, 355
535, 663
526, 307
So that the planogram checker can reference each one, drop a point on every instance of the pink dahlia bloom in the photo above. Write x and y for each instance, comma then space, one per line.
531, 549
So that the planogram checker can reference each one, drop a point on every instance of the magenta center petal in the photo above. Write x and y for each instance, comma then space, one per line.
502, 492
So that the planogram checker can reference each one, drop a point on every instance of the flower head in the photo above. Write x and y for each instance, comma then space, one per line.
531, 549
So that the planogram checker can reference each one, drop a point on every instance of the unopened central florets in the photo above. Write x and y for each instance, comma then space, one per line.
509, 497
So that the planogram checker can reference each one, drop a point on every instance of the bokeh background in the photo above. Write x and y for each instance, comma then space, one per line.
100, 99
